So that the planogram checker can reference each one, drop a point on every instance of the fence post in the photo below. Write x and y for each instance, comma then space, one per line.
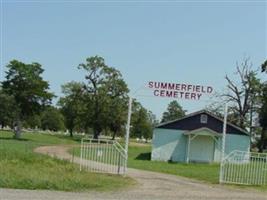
81, 154
223, 143
119, 163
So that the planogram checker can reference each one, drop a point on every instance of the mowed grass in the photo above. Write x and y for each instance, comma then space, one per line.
21, 168
139, 158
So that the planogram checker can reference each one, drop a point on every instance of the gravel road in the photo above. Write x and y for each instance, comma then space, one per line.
151, 185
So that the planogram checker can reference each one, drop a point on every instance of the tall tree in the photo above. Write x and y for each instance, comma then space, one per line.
142, 126
105, 90
73, 105
243, 90
8, 109
117, 101
25, 83
174, 111
263, 119
263, 112
52, 119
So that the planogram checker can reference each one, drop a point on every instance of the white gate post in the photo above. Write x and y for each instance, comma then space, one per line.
223, 142
128, 131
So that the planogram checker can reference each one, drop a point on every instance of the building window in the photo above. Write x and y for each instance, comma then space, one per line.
203, 119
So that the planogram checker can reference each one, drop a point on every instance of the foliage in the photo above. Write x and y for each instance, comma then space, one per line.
263, 119
30, 91
142, 121
72, 106
174, 111
33, 121
106, 94
8, 109
52, 119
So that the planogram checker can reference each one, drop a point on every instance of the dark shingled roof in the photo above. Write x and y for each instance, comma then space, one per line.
192, 122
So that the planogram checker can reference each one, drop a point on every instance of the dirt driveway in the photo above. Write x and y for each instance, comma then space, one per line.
151, 185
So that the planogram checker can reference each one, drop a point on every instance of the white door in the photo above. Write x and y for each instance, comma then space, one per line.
202, 149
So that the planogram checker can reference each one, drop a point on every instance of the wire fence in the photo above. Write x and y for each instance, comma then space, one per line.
101, 155
245, 168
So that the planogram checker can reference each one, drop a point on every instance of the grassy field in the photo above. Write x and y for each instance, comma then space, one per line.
21, 168
139, 158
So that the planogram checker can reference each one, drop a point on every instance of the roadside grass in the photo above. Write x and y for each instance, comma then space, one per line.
140, 158
21, 168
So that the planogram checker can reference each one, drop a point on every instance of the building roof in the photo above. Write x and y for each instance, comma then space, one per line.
192, 122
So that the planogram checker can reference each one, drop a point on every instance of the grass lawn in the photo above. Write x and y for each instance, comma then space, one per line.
22, 169
139, 158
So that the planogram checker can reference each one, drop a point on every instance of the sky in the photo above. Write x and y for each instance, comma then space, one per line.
193, 42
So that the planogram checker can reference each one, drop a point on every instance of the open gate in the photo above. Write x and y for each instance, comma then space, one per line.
101, 155
246, 168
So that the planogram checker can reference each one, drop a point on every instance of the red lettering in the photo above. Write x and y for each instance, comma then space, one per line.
175, 94
202, 89
198, 96
209, 89
162, 93
150, 84
189, 87
183, 87
193, 96
163, 85
168, 93
187, 95
198, 88
177, 87
171, 86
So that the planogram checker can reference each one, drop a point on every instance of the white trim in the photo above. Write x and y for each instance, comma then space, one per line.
195, 132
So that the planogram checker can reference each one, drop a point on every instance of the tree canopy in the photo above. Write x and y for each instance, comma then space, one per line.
174, 111
25, 83
106, 94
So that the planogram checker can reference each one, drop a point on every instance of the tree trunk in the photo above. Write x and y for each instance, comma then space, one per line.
17, 129
114, 135
71, 132
261, 146
96, 134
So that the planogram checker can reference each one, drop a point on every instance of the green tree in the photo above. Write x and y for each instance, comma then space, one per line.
30, 91
72, 105
263, 113
33, 121
105, 95
174, 111
142, 122
116, 101
52, 119
8, 109
263, 119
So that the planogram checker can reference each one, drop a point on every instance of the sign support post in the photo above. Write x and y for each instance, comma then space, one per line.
128, 126
223, 142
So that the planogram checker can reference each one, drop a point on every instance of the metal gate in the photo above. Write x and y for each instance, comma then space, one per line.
100, 155
246, 168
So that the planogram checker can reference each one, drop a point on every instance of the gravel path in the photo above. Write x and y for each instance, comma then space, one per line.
151, 185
